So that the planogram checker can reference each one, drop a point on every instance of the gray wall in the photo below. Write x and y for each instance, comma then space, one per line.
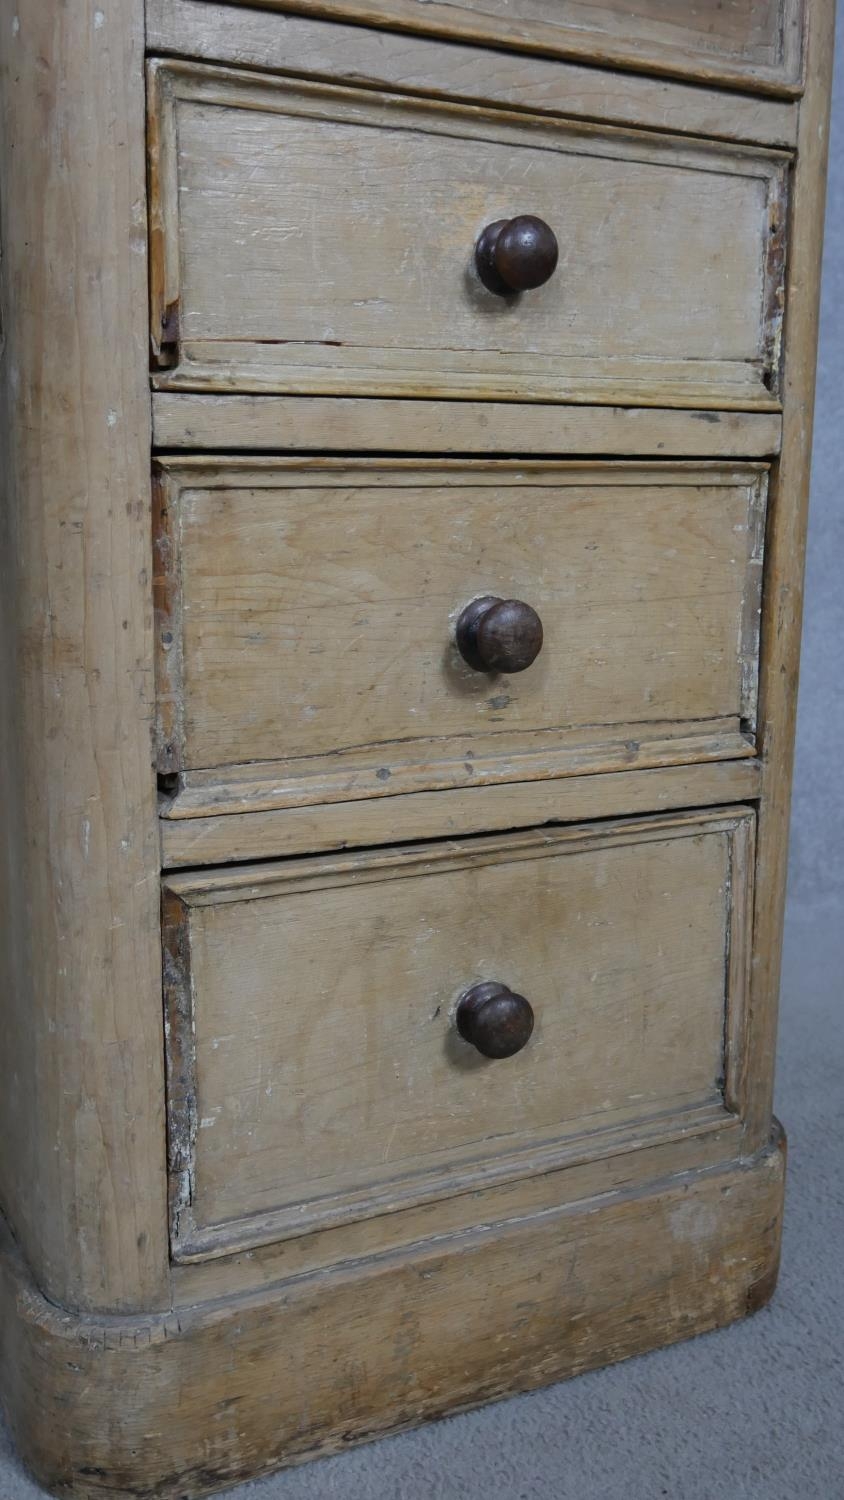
817, 830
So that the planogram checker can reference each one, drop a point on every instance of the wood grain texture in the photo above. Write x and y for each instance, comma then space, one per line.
242, 252
221, 837
756, 43
349, 425
413, 64
459, 1242
288, 632
645, 1155
342, 1090
690, 1253
81, 1107
783, 604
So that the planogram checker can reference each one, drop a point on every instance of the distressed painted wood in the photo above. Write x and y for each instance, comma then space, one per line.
82, 1099
201, 827
783, 605
752, 42
242, 253
651, 1150
667, 356
289, 633
413, 64
341, 1088
349, 425
698, 1252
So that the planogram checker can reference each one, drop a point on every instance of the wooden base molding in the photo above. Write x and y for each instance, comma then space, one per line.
183, 1403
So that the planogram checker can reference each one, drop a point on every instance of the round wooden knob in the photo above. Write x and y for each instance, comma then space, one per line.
494, 1019
499, 635
515, 255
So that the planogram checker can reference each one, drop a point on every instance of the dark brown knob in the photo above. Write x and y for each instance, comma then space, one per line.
499, 635
494, 1019
515, 255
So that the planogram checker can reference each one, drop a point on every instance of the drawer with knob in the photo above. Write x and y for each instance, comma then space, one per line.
315, 239
356, 1034
331, 630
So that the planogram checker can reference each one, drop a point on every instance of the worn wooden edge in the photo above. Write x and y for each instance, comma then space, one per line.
647, 1160
82, 1156
174, 80
785, 557
218, 471
415, 64
700, 1250
194, 1241
252, 882
395, 769
349, 425
167, 594
225, 367
441, 20
246, 836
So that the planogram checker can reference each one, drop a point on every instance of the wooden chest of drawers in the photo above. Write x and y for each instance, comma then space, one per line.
406, 426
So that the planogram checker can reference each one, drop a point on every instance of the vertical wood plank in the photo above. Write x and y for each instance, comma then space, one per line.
785, 553
81, 1112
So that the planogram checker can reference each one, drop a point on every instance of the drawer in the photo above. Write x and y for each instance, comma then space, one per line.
325, 1064
315, 239
755, 42
309, 615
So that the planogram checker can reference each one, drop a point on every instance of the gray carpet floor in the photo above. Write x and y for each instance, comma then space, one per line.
755, 1412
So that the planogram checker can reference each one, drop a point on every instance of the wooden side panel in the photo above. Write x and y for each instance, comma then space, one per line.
317, 1082
755, 42
242, 166
783, 605
308, 616
81, 1103
321, 1362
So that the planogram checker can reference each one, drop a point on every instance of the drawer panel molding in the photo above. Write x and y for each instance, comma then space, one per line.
255, 287
415, 64
307, 614
319, 1080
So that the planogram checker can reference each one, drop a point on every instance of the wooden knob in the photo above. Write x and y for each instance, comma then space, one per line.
494, 1019
515, 255
499, 635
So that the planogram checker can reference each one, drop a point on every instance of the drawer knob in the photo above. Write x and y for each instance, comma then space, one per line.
499, 635
494, 1019
515, 255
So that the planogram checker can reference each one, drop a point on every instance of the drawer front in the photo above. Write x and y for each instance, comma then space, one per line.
309, 611
317, 1073
315, 239
749, 41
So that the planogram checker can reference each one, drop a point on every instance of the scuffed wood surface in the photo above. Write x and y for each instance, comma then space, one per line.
348, 425
242, 166
649, 1152
783, 603
342, 1089
328, 1360
81, 1104
753, 42
415, 64
288, 629
206, 837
